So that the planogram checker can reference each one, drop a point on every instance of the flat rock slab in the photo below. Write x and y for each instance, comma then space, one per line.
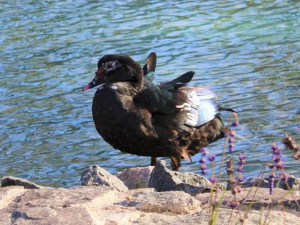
52, 205
40, 215
62, 197
102, 205
177, 202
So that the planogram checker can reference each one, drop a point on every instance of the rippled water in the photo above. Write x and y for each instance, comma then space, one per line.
248, 52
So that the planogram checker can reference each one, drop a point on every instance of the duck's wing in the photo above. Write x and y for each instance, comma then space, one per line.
179, 81
162, 98
149, 69
194, 105
150, 64
200, 106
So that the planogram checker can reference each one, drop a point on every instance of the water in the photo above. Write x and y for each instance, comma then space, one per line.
247, 52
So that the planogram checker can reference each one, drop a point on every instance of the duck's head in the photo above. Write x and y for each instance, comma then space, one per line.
117, 68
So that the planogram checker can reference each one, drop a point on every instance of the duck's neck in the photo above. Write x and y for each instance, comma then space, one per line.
138, 81
128, 88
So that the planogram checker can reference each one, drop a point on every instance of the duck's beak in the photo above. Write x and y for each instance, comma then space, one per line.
95, 82
88, 86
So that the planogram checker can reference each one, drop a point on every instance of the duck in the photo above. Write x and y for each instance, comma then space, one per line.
137, 115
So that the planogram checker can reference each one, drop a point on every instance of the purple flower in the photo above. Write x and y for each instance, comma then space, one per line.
273, 146
242, 159
232, 133
233, 204
235, 124
236, 121
231, 140
231, 147
280, 165
271, 182
240, 169
203, 151
213, 179
238, 189
240, 178
212, 158
203, 168
276, 154
276, 158
277, 151
202, 160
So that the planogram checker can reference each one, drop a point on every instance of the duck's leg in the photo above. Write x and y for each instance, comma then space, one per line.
153, 161
175, 163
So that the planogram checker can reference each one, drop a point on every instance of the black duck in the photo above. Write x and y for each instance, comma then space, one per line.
137, 116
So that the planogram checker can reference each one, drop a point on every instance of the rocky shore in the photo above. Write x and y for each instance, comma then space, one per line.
141, 196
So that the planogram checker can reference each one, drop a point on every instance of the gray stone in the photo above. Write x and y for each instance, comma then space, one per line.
95, 175
62, 197
163, 179
177, 202
292, 183
135, 178
16, 181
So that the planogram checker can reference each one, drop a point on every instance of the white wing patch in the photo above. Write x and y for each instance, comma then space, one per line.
113, 86
201, 106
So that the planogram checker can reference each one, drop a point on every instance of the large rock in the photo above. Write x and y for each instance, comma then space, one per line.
102, 205
163, 179
176, 202
95, 175
135, 178
52, 205
16, 181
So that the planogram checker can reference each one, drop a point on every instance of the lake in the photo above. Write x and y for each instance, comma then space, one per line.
248, 52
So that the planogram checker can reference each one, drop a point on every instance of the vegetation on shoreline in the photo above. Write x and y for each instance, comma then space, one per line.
235, 177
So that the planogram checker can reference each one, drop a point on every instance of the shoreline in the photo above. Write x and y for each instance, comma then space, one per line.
105, 199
